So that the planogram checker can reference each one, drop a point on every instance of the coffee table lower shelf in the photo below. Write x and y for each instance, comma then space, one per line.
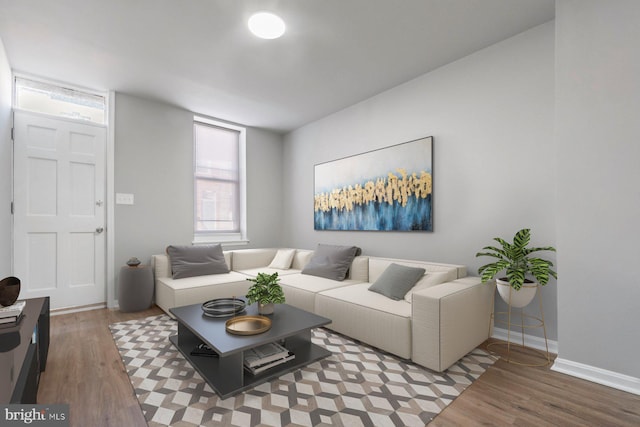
227, 376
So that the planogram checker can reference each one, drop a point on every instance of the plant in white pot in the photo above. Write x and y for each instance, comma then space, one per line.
266, 291
519, 265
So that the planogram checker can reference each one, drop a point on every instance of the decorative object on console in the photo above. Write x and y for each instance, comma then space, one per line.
133, 262
514, 258
389, 189
190, 261
515, 288
266, 291
331, 261
9, 291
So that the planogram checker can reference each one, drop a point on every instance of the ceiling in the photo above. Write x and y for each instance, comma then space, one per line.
199, 55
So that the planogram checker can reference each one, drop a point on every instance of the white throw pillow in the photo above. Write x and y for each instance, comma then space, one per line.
427, 281
283, 259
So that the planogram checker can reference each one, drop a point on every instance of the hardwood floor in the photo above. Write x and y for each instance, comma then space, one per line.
84, 370
511, 395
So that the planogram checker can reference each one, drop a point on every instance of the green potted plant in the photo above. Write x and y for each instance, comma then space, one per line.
266, 291
519, 266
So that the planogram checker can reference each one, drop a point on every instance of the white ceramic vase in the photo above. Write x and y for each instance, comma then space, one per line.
265, 308
519, 298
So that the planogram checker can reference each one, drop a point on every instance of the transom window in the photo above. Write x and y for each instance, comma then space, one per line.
40, 97
218, 181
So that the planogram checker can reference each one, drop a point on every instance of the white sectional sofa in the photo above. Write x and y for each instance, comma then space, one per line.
446, 316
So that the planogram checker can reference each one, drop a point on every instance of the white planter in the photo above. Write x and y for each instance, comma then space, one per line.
265, 308
519, 298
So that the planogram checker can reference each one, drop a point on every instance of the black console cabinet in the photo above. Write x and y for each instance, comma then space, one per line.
23, 353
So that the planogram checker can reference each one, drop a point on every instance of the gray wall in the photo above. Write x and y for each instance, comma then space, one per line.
154, 162
598, 208
491, 116
5, 164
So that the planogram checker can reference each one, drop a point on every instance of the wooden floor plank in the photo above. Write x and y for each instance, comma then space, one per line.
84, 370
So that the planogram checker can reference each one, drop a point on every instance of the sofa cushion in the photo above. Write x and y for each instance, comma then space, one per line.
171, 293
358, 294
244, 259
378, 265
210, 280
253, 272
359, 269
313, 283
190, 261
283, 259
301, 258
396, 281
331, 261
368, 317
301, 289
426, 281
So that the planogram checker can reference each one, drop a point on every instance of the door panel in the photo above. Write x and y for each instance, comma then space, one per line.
59, 187
41, 262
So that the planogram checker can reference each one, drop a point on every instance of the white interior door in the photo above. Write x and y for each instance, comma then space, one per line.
59, 188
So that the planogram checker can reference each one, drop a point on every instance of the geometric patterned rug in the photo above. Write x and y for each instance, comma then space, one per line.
355, 386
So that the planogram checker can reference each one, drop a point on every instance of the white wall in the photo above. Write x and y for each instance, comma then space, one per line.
154, 162
5, 164
598, 208
491, 116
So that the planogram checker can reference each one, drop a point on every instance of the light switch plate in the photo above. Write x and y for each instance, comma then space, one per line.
124, 199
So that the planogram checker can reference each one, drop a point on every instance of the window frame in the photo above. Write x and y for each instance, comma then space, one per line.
223, 237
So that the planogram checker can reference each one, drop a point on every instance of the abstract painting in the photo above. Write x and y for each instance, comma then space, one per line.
389, 189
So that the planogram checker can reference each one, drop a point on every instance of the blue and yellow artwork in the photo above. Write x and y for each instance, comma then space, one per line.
389, 189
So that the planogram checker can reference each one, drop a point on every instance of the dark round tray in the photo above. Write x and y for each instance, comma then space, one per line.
223, 307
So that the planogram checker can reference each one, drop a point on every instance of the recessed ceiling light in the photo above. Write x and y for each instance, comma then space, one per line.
266, 25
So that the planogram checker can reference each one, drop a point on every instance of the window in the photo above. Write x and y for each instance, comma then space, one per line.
219, 182
59, 101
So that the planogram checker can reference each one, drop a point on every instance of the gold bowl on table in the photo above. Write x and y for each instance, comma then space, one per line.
248, 325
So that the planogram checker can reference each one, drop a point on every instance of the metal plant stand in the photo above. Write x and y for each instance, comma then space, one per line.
535, 322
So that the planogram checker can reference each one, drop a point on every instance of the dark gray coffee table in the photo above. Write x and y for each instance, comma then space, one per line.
226, 373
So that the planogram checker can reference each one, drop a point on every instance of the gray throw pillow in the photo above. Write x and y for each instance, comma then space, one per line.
396, 281
189, 261
331, 261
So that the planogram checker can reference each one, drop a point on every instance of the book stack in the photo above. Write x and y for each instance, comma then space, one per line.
11, 315
259, 359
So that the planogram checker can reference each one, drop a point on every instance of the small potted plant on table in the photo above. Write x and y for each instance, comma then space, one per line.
266, 291
515, 260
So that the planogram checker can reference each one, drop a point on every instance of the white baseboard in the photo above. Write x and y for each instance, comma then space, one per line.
67, 310
597, 375
529, 340
575, 369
